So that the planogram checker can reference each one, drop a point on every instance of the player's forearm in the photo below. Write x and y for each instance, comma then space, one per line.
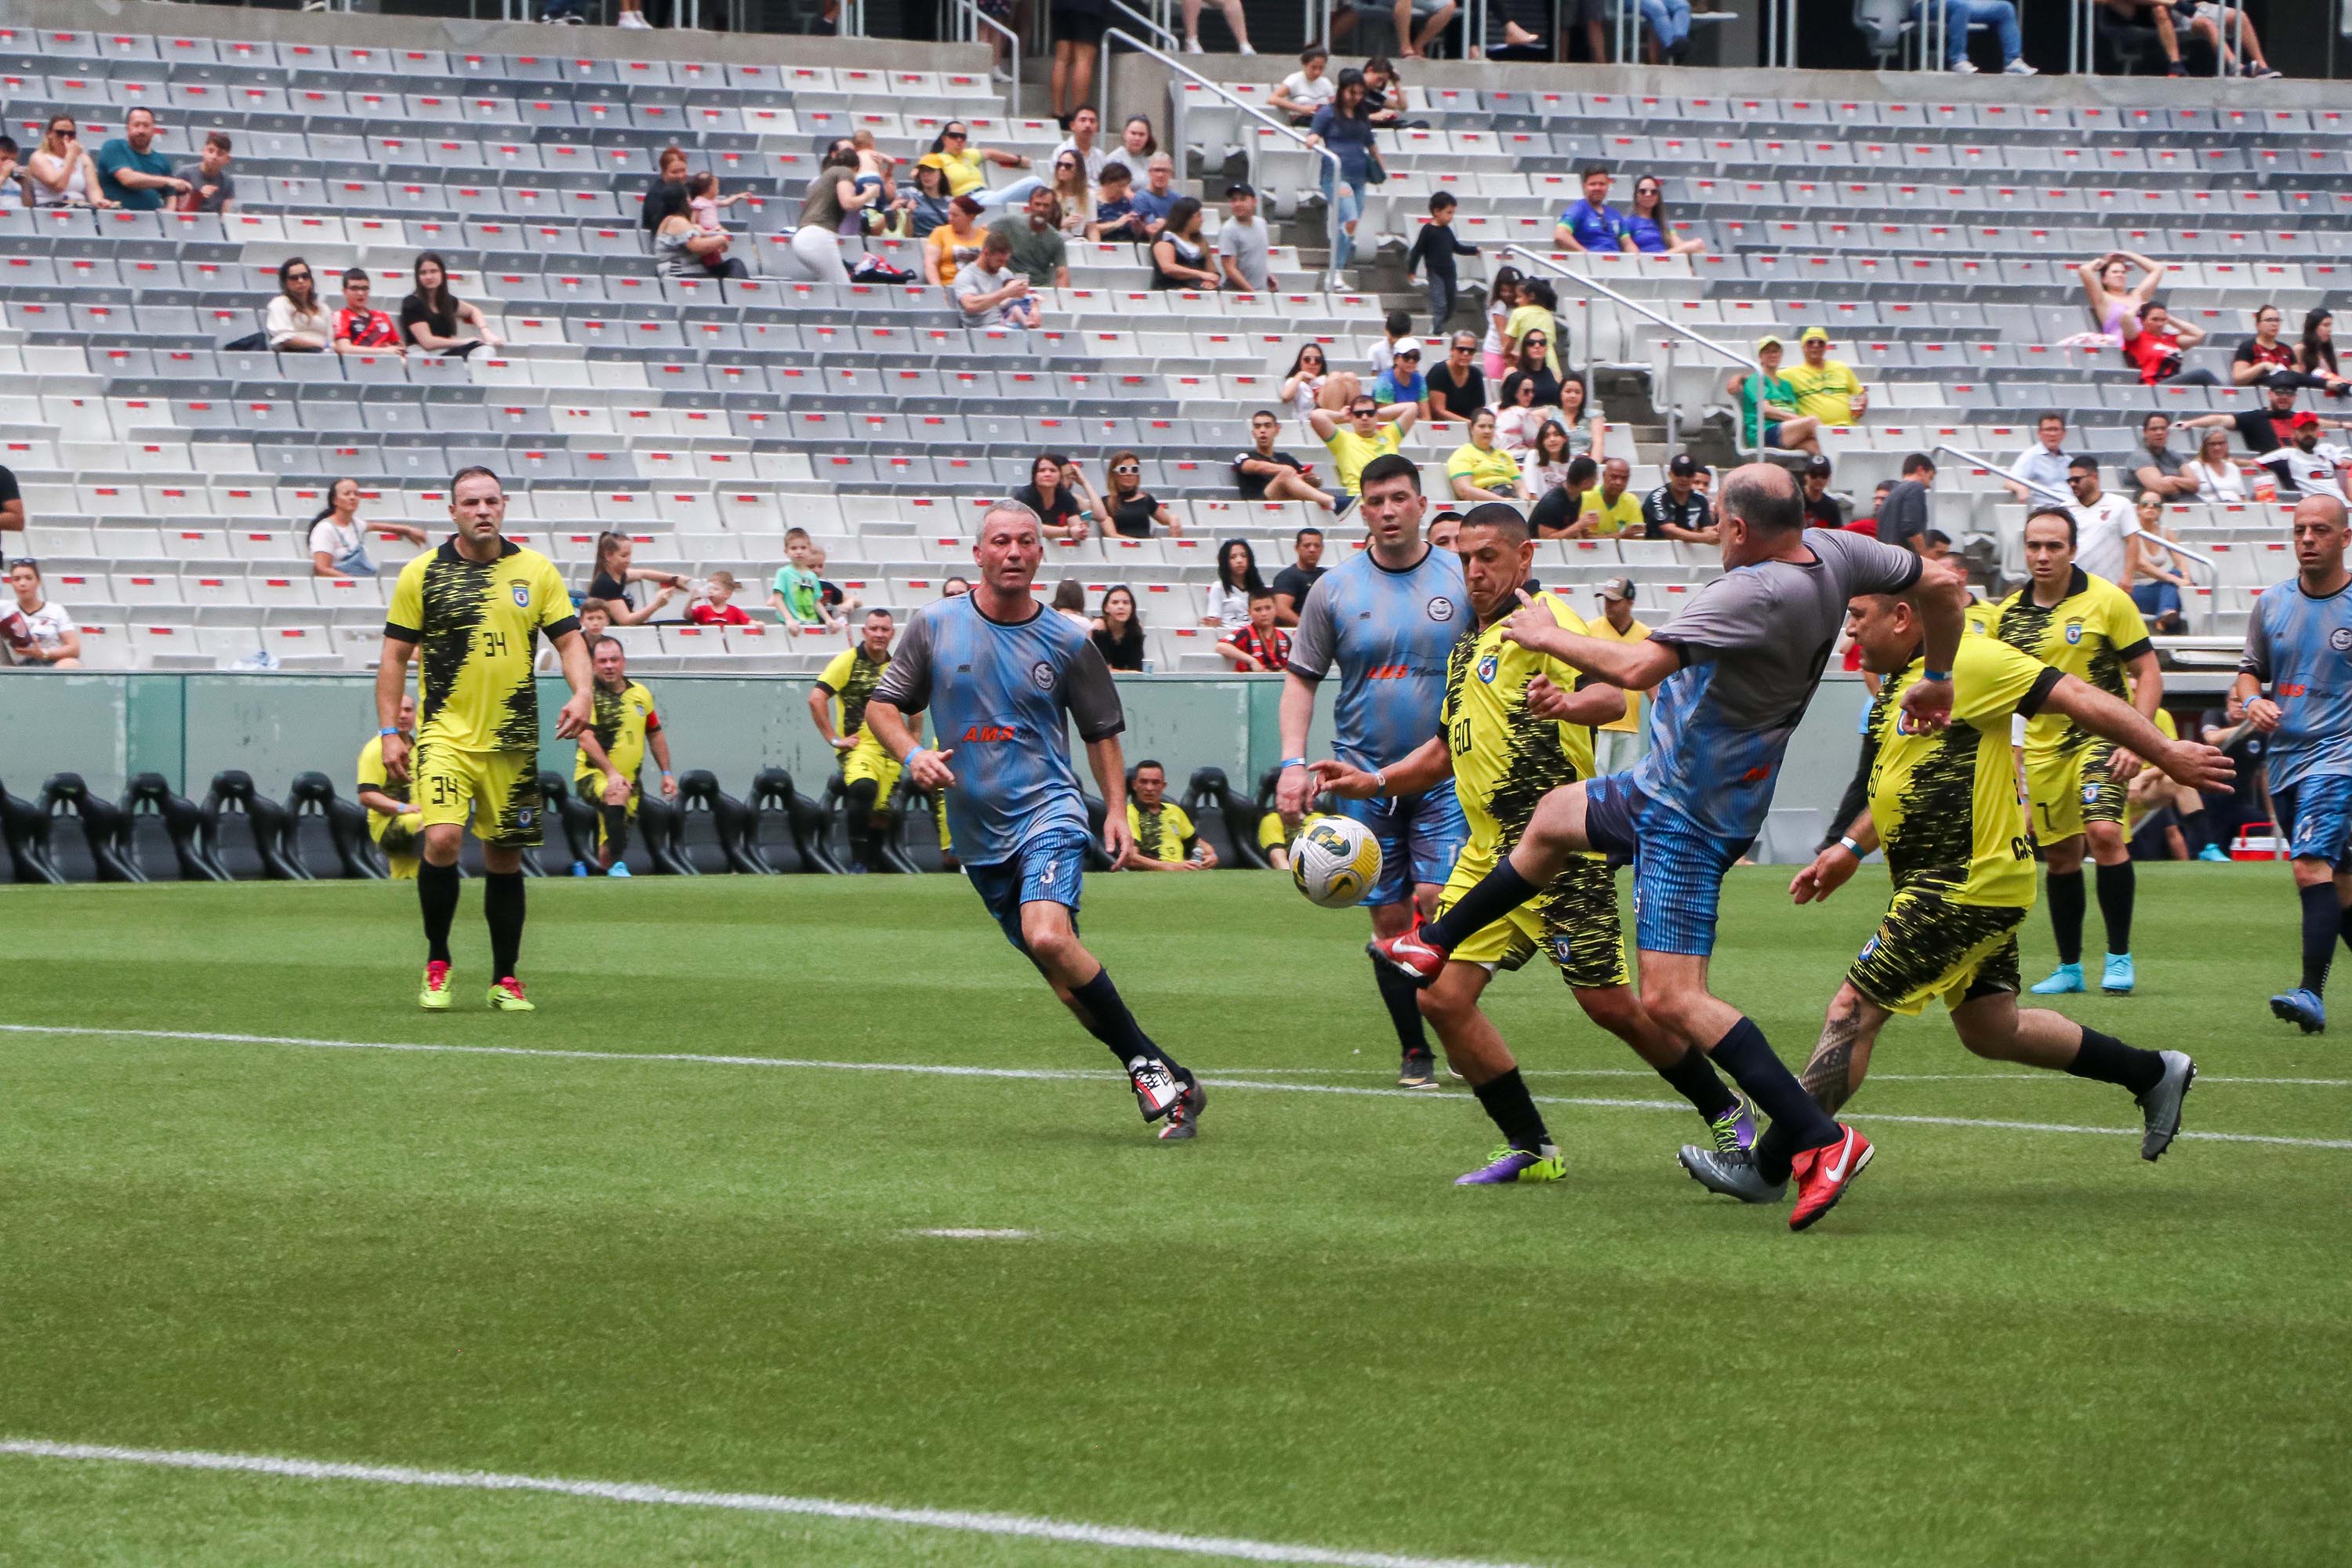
2106, 717
1297, 712
1422, 769
382, 804
391, 681
1941, 597
1631, 667
1596, 703
2147, 685
821, 710
659, 746
2246, 688
572, 649
890, 727
1109, 767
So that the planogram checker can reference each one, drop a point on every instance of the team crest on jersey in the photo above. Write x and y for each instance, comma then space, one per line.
2340, 639
524, 817
1041, 676
1488, 665
2073, 631
523, 594
1440, 608
1868, 948
2090, 794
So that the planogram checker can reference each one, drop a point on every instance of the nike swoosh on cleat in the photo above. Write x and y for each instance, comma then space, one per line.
1845, 1150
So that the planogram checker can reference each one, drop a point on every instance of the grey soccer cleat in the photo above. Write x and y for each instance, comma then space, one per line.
1733, 1174
1184, 1120
2161, 1105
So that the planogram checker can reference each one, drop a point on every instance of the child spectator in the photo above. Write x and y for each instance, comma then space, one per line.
210, 188
1259, 647
1396, 325
798, 594
704, 202
715, 609
1115, 218
360, 328
1434, 250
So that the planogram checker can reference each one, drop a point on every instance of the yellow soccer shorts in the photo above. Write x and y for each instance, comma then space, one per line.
869, 759
498, 791
1927, 950
1271, 835
589, 785
2067, 789
399, 844
1574, 920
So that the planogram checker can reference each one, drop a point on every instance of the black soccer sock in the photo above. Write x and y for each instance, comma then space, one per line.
1401, 997
2323, 921
2066, 914
1798, 1123
1499, 892
2195, 831
2347, 927
2116, 888
616, 829
857, 815
437, 895
2109, 1060
502, 907
1513, 1108
1104, 1012
1694, 1078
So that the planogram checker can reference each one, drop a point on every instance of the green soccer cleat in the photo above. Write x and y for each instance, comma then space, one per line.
434, 994
506, 996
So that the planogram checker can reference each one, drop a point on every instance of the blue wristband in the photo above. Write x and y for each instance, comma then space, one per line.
1294, 762
1935, 675
386, 734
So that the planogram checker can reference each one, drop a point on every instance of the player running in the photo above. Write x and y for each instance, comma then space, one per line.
868, 772
472, 609
1516, 723
613, 748
2299, 645
1733, 672
1389, 617
1943, 804
1004, 677
2086, 625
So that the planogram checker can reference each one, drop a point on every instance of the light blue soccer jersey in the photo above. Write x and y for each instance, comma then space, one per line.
1391, 633
997, 695
2300, 648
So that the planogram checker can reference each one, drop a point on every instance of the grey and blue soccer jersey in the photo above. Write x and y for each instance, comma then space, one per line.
998, 694
2300, 648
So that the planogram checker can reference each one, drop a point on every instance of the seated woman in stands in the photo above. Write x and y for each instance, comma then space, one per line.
615, 577
338, 539
1060, 497
1180, 258
2114, 301
1649, 227
295, 322
2215, 472
34, 631
435, 320
1118, 629
60, 173
1130, 510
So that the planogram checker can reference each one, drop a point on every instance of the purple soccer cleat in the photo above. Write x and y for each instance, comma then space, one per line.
1509, 1164
1735, 1129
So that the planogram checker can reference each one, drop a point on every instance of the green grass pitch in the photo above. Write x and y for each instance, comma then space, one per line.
2010, 1345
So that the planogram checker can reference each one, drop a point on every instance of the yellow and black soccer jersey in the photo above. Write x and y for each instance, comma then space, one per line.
2092, 633
1505, 760
475, 623
374, 776
1981, 615
1160, 834
1945, 802
851, 678
622, 719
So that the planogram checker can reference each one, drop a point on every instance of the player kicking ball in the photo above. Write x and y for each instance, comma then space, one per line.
1943, 803
1004, 677
1516, 724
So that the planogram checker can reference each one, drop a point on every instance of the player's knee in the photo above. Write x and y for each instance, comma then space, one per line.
2106, 838
1045, 933
861, 792
1616, 1009
440, 843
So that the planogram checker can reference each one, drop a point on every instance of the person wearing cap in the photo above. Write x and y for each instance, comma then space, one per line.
1401, 385
1244, 243
1768, 414
1826, 389
2306, 464
1822, 509
955, 244
1617, 745
1610, 511
1676, 509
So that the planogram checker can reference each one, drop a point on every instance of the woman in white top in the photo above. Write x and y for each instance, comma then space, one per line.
1311, 386
1543, 466
2151, 574
1307, 89
1518, 418
36, 631
62, 175
1228, 599
1070, 604
296, 321
2216, 473
1077, 197
338, 540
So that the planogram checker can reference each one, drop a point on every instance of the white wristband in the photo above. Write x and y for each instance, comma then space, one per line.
1381, 778
1849, 847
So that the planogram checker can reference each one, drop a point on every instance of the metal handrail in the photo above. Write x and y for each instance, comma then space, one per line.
1165, 35
1176, 128
969, 13
2132, 530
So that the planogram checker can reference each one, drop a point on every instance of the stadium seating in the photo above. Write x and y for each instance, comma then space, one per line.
170, 478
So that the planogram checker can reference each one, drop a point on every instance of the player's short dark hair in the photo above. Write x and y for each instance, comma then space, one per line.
1498, 515
1149, 763
1440, 200
475, 471
2087, 464
2061, 514
1303, 532
1390, 466
1767, 499
1919, 462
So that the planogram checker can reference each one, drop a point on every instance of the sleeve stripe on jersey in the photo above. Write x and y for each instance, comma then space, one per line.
2030, 704
398, 633
2133, 652
1310, 675
556, 629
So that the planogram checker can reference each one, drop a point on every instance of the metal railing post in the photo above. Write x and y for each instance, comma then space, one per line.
1674, 412
972, 19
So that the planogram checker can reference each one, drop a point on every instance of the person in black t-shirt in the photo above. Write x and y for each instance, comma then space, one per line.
12, 509
1058, 493
1130, 510
2260, 430
1118, 631
1261, 473
1822, 509
1556, 511
1293, 581
1675, 509
1457, 388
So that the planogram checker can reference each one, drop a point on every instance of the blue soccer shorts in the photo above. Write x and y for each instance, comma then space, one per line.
2316, 814
1678, 866
1046, 871
1421, 836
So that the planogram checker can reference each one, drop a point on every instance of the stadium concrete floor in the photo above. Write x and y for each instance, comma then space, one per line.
2014, 1343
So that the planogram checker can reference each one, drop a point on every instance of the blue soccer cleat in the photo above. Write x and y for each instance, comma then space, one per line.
2214, 852
2066, 980
2116, 979
2303, 1008
620, 868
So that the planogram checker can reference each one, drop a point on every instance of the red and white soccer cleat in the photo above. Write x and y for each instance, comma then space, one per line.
1409, 954
1824, 1175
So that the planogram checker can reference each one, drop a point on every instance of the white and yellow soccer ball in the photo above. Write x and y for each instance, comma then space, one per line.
1335, 861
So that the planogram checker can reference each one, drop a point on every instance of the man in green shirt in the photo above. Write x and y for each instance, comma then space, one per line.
1038, 251
1768, 415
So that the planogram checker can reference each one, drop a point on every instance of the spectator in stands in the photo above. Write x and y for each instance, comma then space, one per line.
1364, 436
14, 181
1517, 417
1559, 512
1130, 510
1073, 195
1395, 327
1647, 226
1544, 462
1612, 510
595, 619
1867, 523
1079, 26
1822, 509
1401, 386
1180, 259
1958, 16
338, 540
2102, 522
1900, 515
1227, 601
931, 206
1670, 29
1058, 493
683, 250
717, 607
1383, 92
1039, 252
669, 171
2042, 464
133, 171
2315, 355
955, 588
1118, 629
1617, 745
1478, 470
966, 166
360, 328
614, 575
36, 631
1232, 11
1257, 645
2156, 467
2230, 33
1535, 316
1502, 299
1244, 243
1311, 384
1344, 126
797, 595
825, 207
1136, 144
2114, 302
433, 317
704, 203
1070, 604
211, 187
955, 244
2154, 350
1434, 250
60, 173
2129, 20
1768, 412
1293, 583
1676, 509
1262, 473
988, 293
2265, 359
2154, 583
1827, 389
1543, 386
1591, 223
12, 506
2264, 429
1306, 91
1456, 388
2305, 464
2214, 470
1115, 218
1158, 195
1161, 836
295, 322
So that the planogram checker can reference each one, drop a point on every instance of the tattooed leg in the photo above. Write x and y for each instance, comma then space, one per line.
1842, 1056
1996, 1028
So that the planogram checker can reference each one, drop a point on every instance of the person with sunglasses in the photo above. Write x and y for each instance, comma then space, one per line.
966, 165
1457, 387
60, 174
1364, 436
295, 322
1649, 228
1073, 195
1129, 509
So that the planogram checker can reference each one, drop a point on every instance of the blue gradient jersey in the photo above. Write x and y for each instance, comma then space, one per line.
1390, 633
1753, 644
997, 695
2300, 648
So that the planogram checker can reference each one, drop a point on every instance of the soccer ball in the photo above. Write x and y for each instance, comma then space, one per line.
1335, 860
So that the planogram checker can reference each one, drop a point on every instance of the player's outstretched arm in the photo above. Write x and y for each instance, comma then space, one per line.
1631, 667
1109, 766
1830, 869
573, 722
1941, 598
2200, 767
390, 682
1428, 765
2147, 675
1593, 702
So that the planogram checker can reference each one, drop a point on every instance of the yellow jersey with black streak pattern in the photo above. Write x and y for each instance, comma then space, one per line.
1506, 759
622, 719
1944, 800
851, 677
475, 624
1162, 833
2092, 633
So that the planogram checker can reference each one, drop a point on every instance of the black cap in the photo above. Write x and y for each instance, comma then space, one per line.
1683, 465
1817, 464
1239, 188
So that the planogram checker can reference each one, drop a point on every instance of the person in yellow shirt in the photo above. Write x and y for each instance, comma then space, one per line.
1161, 836
1827, 389
1366, 436
868, 771
393, 818
1614, 508
1478, 470
1617, 745
612, 749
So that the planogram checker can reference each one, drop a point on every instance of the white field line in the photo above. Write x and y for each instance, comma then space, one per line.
961, 1233
2049, 1077
938, 1070
1119, 1537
